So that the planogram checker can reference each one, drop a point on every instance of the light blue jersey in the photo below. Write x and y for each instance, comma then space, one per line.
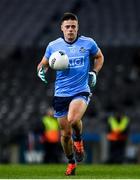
75, 79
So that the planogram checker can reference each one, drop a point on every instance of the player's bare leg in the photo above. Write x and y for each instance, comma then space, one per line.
67, 144
66, 135
77, 109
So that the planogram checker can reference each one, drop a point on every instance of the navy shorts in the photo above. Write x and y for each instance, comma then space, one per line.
61, 104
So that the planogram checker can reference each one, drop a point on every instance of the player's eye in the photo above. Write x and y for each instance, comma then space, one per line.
73, 26
67, 27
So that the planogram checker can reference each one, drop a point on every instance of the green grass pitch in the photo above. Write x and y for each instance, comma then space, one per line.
56, 171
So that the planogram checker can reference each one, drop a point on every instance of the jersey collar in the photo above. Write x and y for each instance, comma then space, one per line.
72, 41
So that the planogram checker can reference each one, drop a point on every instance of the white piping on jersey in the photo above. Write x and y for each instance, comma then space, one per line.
86, 38
55, 41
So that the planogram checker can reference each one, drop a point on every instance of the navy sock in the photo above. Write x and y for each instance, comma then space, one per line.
71, 159
77, 137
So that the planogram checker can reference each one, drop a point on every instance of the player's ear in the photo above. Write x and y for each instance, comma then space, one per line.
62, 27
78, 26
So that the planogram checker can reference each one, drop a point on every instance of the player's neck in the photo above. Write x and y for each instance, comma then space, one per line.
71, 41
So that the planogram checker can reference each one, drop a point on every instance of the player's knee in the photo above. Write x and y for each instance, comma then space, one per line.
66, 138
73, 119
66, 134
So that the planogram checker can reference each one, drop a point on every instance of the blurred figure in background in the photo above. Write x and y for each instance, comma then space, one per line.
117, 136
51, 138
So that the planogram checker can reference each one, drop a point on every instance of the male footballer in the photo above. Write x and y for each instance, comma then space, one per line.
72, 88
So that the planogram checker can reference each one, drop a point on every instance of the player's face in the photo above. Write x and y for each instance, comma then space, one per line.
70, 30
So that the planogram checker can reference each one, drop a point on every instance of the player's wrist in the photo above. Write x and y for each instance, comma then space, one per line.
95, 71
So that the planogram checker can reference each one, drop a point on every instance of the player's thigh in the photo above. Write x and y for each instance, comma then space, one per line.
77, 109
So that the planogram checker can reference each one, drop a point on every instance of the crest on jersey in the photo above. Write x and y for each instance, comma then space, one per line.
82, 50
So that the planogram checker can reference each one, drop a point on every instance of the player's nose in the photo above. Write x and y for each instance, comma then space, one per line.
70, 28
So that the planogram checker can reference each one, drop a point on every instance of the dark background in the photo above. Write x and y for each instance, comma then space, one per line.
27, 26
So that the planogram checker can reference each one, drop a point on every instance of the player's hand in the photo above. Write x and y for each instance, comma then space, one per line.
92, 79
41, 75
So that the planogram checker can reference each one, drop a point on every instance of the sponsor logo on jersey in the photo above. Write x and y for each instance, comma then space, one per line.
75, 62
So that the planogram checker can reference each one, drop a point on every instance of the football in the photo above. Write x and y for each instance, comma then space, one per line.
59, 60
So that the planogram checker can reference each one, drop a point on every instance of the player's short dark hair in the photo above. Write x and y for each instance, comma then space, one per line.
69, 16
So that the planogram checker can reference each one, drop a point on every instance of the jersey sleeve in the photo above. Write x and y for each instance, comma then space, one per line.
47, 52
94, 47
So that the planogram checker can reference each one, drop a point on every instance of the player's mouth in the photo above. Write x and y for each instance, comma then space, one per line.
70, 34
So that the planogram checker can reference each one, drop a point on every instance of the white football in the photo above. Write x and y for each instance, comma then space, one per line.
59, 60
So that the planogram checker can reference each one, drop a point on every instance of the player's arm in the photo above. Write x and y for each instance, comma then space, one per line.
97, 65
43, 63
42, 68
98, 61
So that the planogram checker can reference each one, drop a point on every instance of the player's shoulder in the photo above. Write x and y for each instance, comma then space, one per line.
85, 38
56, 41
